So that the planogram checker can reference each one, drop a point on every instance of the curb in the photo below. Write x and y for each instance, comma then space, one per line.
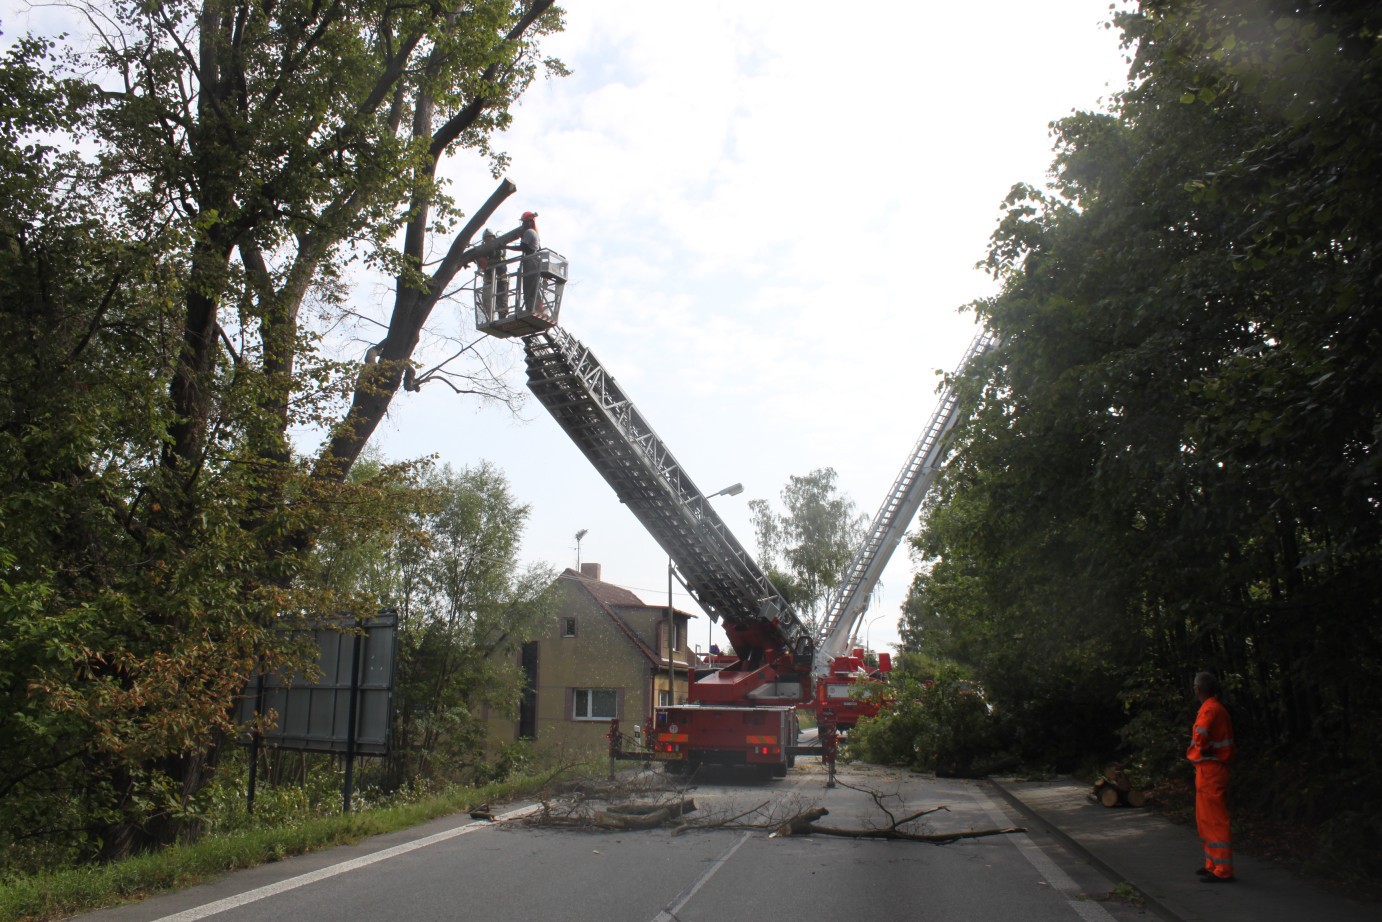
1152, 903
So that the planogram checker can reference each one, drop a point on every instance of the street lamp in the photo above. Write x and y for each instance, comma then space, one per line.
869, 627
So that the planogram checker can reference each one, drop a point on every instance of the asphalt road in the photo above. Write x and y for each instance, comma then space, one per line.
519, 871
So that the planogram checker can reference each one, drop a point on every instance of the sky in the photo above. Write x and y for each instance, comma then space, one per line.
773, 214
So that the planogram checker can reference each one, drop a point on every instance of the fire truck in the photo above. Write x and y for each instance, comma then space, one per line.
743, 713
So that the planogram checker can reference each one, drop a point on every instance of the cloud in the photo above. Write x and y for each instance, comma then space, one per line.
773, 212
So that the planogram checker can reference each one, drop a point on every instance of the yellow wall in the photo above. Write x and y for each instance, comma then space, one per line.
600, 655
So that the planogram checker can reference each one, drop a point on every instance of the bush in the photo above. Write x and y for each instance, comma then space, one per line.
936, 720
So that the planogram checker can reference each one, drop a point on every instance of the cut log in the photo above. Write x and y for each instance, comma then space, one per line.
1108, 795
1116, 777
1135, 798
800, 825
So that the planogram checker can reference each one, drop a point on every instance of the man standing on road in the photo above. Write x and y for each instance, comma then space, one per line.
1211, 749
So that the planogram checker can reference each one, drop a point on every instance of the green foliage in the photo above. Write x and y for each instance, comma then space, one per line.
1173, 460
514, 760
290, 787
449, 570
935, 719
178, 207
805, 549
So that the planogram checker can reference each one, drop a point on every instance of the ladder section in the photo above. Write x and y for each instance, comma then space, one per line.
890, 523
589, 405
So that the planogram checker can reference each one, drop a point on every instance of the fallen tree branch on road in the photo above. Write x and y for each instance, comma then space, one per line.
642, 816
644, 801
939, 838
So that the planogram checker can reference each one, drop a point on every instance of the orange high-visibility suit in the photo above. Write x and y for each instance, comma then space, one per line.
1211, 749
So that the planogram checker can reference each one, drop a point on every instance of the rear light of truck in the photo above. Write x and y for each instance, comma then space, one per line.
669, 742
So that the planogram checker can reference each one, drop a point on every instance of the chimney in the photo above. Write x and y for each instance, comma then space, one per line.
591, 571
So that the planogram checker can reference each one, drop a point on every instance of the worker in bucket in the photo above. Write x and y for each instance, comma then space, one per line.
495, 283
530, 264
1211, 751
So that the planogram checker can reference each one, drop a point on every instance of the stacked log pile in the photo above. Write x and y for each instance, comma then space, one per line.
1113, 789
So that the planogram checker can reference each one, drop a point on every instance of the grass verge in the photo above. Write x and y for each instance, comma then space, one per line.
63, 893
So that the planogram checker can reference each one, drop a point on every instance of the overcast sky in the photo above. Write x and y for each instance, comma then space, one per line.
772, 212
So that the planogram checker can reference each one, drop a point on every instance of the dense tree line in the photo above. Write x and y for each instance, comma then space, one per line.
183, 193
1173, 462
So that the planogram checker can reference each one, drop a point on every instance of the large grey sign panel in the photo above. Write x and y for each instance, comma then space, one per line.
314, 715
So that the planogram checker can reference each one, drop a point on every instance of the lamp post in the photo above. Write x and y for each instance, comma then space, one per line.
867, 628
733, 489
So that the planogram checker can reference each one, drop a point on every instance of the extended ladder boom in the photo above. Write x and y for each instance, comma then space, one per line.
590, 406
890, 523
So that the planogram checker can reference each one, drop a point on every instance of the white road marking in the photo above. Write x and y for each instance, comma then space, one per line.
302, 880
1085, 909
670, 913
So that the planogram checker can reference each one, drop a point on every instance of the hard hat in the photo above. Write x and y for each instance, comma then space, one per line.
528, 215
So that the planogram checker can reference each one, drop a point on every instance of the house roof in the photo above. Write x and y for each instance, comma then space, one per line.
614, 601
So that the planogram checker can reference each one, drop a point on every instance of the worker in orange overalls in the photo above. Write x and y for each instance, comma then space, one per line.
1211, 749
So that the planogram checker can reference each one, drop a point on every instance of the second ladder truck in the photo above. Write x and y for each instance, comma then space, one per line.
839, 667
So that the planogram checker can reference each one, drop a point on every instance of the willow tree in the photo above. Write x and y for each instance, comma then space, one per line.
806, 547
215, 170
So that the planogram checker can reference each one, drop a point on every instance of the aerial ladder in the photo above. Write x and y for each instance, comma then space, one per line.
839, 667
744, 713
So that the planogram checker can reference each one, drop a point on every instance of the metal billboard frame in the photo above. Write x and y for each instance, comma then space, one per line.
347, 711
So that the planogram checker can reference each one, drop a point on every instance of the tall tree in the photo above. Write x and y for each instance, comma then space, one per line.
805, 548
181, 278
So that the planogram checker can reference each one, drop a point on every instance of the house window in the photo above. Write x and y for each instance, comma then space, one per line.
595, 704
568, 627
678, 638
664, 698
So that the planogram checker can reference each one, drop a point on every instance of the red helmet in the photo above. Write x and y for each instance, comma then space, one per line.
528, 216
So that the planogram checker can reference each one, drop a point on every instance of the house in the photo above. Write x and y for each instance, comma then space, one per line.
603, 655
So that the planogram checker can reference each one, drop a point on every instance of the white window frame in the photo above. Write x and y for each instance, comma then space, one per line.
583, 704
